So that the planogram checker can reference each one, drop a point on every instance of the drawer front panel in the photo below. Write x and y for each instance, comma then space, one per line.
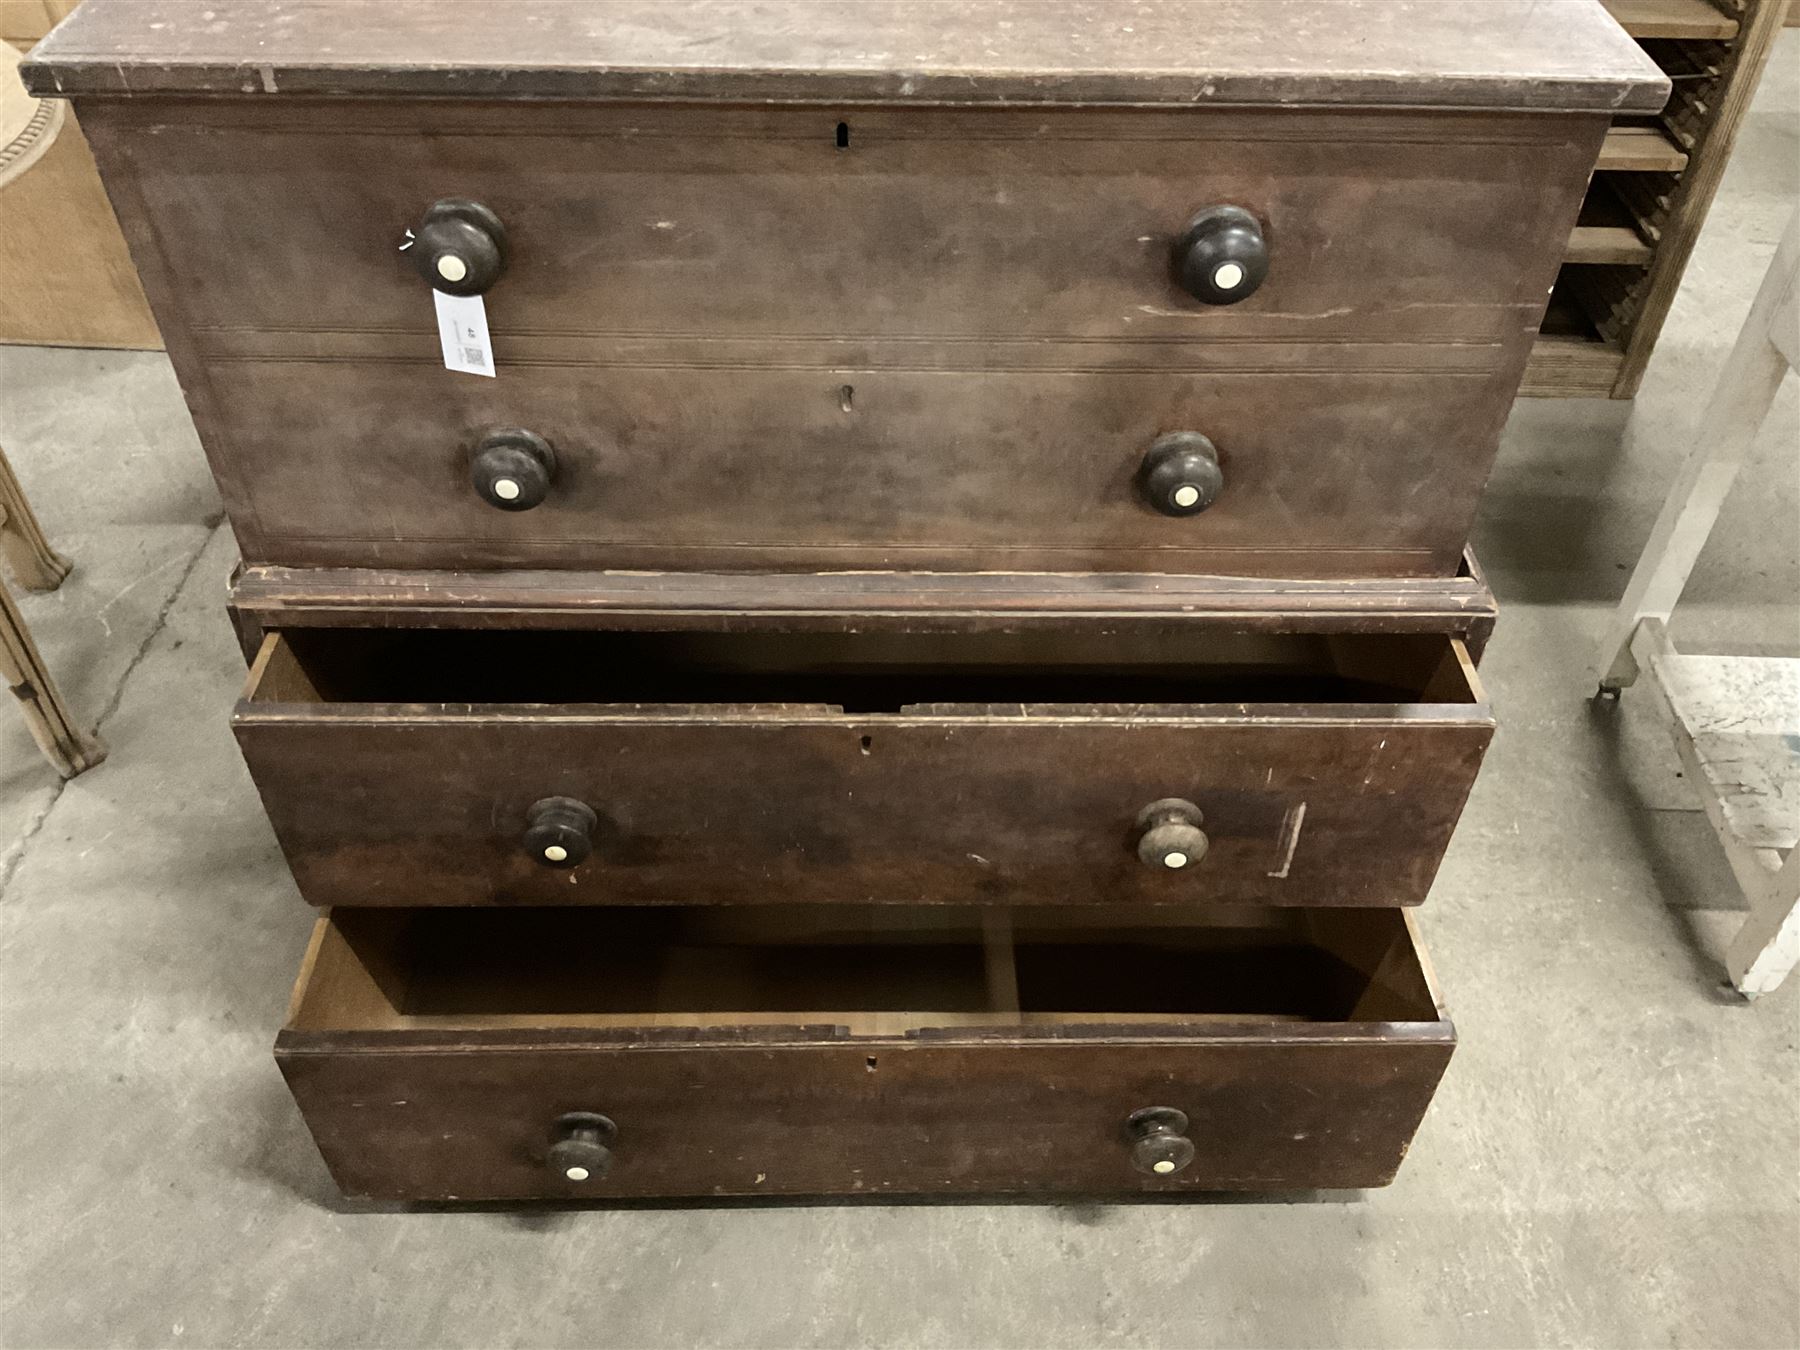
948, 344
471, 1122
759, 805
758, 224
1330, 475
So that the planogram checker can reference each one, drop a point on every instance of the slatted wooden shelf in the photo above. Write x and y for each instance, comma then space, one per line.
1571, 358
1649, 197
1606, 231
1643, 147
1672, 18
1572, 367
1652, 186
1607, 244
1688, 58
1610, 297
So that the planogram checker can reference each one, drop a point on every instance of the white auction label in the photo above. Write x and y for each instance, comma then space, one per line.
463, 329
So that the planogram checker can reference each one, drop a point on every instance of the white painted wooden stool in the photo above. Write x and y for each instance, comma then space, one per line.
1736, 719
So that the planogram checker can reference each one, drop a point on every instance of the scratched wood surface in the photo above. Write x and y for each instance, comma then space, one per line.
1302, 1060
1334, 476
1743, 715
652, 221
964, 371
287, 597
1498, 53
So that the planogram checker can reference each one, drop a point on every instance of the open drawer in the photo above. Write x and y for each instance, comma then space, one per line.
475, 1054
408, 767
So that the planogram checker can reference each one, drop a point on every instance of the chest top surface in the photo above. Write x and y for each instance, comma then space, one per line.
1551, 55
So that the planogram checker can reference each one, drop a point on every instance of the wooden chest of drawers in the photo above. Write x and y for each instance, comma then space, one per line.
942, 621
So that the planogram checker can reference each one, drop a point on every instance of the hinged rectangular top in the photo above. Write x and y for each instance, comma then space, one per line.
1521, 54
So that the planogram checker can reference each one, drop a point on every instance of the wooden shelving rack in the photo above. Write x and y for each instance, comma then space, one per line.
1650, 194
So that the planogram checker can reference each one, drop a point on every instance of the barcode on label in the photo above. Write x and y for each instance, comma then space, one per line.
463, 331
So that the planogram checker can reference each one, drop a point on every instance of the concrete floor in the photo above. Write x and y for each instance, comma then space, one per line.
1614, 1158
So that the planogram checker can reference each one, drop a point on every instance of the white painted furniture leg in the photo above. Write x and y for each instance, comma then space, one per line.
1736, 719
1767, 947
1739, 404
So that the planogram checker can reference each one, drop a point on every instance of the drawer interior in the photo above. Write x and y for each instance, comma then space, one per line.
858, 672
875, 971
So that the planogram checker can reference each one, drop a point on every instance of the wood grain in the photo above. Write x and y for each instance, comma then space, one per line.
1643, 148
1673, 18
442, 1111
766, 795
968, 375
1498, 54
762, 470
1694, 195
675, 222
1131, 603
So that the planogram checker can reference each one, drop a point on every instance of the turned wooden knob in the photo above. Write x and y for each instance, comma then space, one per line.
459, 247
579, 1146
1180, 475
559, 831
1172, 837
513, 469
1159, 1143
1221, 256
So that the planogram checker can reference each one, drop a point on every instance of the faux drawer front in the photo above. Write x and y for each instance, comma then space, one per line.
460, 1055
754, 224
950, 343
1319, 474
413, 767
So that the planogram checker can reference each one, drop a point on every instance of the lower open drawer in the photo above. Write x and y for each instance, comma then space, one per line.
475, 1054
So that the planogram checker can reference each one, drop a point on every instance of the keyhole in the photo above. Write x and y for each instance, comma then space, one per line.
868, 743
847, 398
843, 135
